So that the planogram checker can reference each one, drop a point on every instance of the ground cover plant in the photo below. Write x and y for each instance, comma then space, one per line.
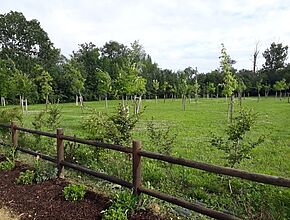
192, 136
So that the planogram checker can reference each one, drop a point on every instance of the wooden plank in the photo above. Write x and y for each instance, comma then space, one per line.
262, 178
98, 144
98, 175
192, 206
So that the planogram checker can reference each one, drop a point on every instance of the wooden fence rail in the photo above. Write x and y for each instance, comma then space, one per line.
137, 154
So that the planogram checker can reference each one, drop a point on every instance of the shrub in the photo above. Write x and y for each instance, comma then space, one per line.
161, 137
7, 165
236, 145
26, 177
74, 192
43, 171
124, 203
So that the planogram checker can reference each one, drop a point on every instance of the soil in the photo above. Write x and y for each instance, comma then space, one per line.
45, 200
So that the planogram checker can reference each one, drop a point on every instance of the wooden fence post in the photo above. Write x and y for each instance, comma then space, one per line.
14, 135
60, 153
136, 167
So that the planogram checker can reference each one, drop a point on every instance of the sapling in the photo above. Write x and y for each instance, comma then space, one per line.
236, 145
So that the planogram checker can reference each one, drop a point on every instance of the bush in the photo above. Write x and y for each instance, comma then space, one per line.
74, 192
26, 177
123, 204
7, 165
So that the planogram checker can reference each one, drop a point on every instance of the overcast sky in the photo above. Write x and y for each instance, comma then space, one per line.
176, 33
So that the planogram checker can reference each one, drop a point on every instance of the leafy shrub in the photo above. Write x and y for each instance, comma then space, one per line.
43, 171
235, 145
123, 204
7, 116
161, 137
74, 192
26, 177
116, 128
7, 165
115, 214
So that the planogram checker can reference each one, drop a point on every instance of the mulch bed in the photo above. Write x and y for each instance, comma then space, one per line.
45, 200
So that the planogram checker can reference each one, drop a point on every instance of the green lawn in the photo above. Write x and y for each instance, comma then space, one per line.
194, 128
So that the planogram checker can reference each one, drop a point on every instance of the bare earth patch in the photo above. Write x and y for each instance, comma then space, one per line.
45, 201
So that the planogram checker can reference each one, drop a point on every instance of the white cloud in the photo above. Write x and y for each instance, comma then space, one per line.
175, 33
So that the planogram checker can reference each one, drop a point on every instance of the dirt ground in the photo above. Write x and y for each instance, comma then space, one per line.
45, 201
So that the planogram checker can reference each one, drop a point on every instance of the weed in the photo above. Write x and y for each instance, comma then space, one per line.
74, 192
26, 177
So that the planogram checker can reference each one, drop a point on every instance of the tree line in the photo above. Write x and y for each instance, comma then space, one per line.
32, 68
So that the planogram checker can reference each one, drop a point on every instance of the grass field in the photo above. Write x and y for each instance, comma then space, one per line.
192, 130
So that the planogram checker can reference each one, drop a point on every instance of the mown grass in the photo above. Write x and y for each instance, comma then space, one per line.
192, 130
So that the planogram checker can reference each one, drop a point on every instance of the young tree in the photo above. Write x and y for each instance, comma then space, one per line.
211, 88
267, 89
104, 84
230, 83
43, 81
259, 87
196, 89
183, 89
280, 86
164, 88
76, 81
155, 84
241, 88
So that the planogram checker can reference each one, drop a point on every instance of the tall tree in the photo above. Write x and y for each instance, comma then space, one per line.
275, 58
87, 59
25, 42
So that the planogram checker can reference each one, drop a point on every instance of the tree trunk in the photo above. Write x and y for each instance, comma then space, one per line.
155, 99
259, 97
280, 95
77, 100
164, 97
183, 102
240, 99
46, 102
231, 108
106, 101
276, 95
26, 105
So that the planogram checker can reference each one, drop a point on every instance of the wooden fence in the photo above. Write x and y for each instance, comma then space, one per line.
137, 153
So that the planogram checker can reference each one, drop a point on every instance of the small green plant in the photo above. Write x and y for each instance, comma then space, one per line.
115, 214
74, 192
7, 165
161, 136
43, 171
26, 177
235, 145
124, 203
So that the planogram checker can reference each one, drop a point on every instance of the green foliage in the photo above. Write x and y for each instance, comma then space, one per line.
7, 165
116, 128
48, 120
26, 177
74, 192
43, 171
124, 203
230, 83
160, 136
235, 145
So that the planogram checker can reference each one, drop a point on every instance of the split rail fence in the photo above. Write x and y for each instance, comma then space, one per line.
137, 153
